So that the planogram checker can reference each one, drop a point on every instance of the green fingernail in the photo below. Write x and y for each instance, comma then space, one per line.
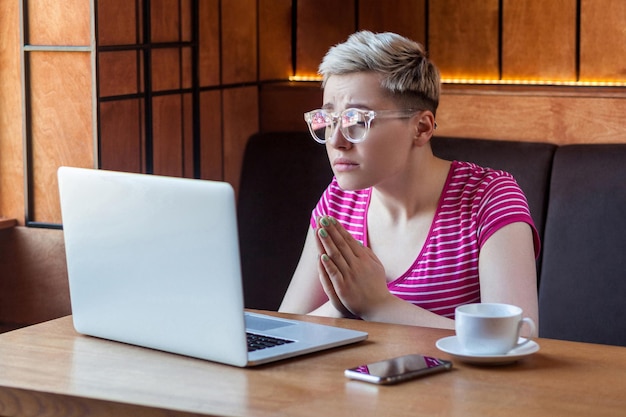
332, 219
323, 233
325, 258
324, 221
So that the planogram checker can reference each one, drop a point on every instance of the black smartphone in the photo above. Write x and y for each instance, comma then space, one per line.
399, 369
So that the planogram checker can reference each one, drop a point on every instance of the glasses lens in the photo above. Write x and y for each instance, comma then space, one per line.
353, 125
321, 125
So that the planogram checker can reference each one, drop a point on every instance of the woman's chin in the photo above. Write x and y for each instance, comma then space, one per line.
347, 183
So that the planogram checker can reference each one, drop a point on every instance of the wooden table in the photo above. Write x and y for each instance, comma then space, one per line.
48, 369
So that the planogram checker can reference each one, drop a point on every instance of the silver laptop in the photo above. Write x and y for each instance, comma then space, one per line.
154, 261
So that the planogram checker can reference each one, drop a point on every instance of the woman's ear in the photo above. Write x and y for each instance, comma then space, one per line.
424, 125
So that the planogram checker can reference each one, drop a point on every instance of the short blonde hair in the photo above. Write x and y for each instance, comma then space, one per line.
407, 73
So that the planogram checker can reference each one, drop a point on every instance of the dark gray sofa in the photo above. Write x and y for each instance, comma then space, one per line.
576, 194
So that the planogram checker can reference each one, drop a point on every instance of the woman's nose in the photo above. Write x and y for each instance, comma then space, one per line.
338, 140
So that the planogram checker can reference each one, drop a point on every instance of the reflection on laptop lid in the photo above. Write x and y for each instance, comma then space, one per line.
154, 261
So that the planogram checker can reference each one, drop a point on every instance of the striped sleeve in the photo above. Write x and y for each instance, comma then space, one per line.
503, 203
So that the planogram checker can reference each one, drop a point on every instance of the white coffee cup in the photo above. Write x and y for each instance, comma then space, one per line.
490, 328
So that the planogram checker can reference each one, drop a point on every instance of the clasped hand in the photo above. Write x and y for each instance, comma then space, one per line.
352, 276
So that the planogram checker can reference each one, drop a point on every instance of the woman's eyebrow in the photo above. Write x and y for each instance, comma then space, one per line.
331, 107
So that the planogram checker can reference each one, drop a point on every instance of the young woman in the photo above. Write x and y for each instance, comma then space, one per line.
400, 235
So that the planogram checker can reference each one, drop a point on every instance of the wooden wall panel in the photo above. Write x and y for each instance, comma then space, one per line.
186, 21
186, 66
211, 146
320, 25
463, 38
167, 129
551, 115
239, 41
121, 135
405, 17
539, 40
118, 22
166, 69
11, 154
241, 120
276, 116
165, 20
187, 132
275, 39
62, 131
54, 22
603, 40
117, 73
209, 43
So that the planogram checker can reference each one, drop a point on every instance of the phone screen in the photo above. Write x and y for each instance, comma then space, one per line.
398, 369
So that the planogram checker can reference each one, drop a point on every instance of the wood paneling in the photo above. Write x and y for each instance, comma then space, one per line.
120, 17
211, 146
241, 120
54, 22
239, 41
539, 40
168, 142
603, 40
275, 39
553, 115
463, 38
62, 131
121, 135
186, 20
187, 132
119, 73
320, 25
186, 65
276, 116
11, 153
165, 20
166, 69
209, 43
405, 17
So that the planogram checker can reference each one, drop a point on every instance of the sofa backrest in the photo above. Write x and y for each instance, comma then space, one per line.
583, 278
282, 178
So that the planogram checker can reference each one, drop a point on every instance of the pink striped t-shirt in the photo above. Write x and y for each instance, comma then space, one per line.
474, 204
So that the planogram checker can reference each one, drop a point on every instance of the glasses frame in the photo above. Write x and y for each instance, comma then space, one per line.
335, 118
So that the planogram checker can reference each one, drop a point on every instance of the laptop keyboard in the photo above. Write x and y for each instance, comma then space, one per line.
258, 342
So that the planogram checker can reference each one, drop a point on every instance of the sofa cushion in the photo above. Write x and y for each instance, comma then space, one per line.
583, 280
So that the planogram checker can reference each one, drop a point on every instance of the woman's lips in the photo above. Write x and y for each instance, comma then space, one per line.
344, 165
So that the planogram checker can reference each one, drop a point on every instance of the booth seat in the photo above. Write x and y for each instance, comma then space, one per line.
576, 194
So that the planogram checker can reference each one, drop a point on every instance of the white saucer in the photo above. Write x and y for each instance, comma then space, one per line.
451, 346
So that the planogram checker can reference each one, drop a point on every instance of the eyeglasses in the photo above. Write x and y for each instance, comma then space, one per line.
353, 123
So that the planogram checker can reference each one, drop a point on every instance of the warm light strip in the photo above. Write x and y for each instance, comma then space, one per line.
305, 78
477, 81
